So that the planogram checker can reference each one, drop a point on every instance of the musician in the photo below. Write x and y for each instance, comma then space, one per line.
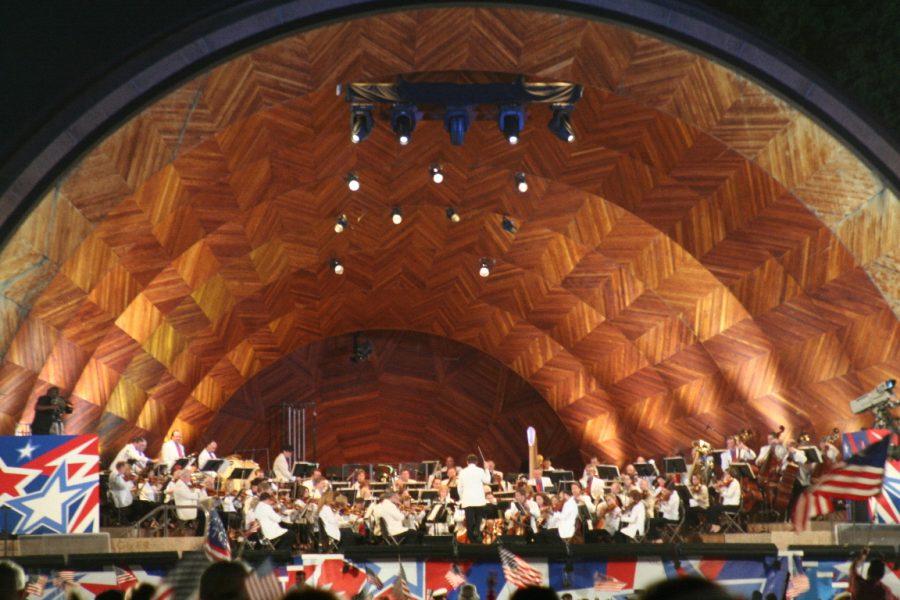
149, 495
48, 413
735, 451
311, 483
616, 489
389, 510
773, 445
539, 481
440, 515
699, 502
668, 510
798, 457
730, 500
569, 513
594, 464
403, 480
133, 451
282, 465
452, 478
120, 489
592, 484
546, 465
634, 519
186, 497
270, 522
337, 528
470, 486
522, 508
611, 511
830, 453
360, 479
208, 453
502, 485
492, 471
172, 450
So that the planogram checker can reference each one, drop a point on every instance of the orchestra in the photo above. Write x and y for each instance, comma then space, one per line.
473, 504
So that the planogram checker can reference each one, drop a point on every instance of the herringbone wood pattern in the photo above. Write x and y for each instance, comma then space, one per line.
701, 258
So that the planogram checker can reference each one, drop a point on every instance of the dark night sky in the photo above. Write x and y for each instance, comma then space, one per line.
50, 49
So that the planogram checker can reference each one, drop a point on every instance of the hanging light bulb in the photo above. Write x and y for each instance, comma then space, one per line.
353, 182
521, 184
340, 224
452, 214
396, 216
484, 268
337, 267
437, 175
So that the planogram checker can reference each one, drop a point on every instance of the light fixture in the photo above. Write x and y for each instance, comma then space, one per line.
484, 267
337, 266
452, 214
456, 121
437, 175
361, 122
521, 184
403, 121
396, 215
340, 224
511, 121
561, 122
508, 225
352, 182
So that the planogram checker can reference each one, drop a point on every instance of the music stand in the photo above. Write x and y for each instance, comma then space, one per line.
182, 462
428, 495
740, 470
685, 494
557, 476
454, 493
646, 469
240, 473
607, 472
813, 455
350, 495
565, 485
304, 470
674, 464
213, 465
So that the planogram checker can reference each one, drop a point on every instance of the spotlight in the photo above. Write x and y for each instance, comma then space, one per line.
437, 175
337, 267
452, 214
456, 121
361, 123
352, 182
484, 267
508, 225
521, 184
403, 121
511, 122
341, 224
396, 216
561, 122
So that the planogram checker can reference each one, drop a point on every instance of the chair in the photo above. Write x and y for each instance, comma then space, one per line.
731, 521
385, 536
671, 530
323, 540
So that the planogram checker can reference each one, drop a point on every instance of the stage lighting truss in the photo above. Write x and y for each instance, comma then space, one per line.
458, 105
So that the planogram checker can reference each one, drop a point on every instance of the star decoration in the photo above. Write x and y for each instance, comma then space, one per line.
26, 451
49, 506
14, 479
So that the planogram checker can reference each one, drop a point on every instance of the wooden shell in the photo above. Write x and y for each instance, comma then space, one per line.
703, 257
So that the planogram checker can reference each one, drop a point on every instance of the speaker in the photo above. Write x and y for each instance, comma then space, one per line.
64, 543
879, 534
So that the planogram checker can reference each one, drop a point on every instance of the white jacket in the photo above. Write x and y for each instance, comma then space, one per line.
171, 451
635, 519
120, 490
129, 452
567, 517
269, 521
331, 522
393, 518
470, 484
205, 455
185, 496
282, 469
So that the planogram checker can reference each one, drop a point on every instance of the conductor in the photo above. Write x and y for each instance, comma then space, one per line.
470, 485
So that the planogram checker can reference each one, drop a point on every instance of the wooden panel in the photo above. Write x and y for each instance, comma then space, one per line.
702, 253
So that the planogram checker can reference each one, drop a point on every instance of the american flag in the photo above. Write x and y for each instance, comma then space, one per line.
216, 545
401, 587
372, 578
517, 571
454, 577
36, 586
603, 583
125, 578
263, 584
859, 478
67, 576
798, 583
